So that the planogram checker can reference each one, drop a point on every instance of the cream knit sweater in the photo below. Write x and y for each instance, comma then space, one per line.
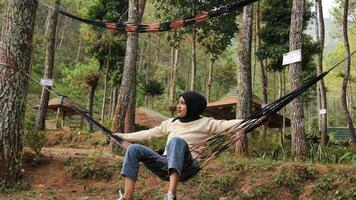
192, 132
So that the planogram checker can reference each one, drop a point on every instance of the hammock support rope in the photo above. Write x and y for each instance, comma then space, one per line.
159, 26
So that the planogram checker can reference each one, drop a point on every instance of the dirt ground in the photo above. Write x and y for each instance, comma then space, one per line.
75, 167
49, 180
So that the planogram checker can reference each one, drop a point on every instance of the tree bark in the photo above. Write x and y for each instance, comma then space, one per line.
79, 47
128, 84
62, 32
244, 82
263, 70
194, 63
350, 98
188, 79
345, 81
106, 79
130, 114
140, 62
158, 48
295, 76
170, 73
211, 67
148, 66
173, 82
114, 101
321, 85
280, 84
284, 111
47, 25
90, 105
15, 56
48, 73
318, 96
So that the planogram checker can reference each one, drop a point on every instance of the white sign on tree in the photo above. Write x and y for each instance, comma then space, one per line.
47, 82
292, 57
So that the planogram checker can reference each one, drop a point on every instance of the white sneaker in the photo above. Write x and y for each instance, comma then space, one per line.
169, 196
121, 197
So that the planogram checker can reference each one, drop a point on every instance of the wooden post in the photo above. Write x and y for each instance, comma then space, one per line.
57, 116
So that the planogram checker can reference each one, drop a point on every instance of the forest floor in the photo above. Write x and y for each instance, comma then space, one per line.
77, 166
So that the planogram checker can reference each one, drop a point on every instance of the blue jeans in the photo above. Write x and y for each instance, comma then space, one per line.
178, 158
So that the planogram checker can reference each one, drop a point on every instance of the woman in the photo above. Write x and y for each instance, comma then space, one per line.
177, 163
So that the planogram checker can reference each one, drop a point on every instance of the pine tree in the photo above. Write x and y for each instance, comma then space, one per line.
15, 56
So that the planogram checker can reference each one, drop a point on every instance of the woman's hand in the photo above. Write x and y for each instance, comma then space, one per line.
125, 144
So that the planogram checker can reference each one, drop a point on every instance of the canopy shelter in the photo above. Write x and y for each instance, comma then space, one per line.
225, 108
147, 118
56, 105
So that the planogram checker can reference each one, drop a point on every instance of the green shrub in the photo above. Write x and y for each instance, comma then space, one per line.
324, 184
346, 194
224, 184
287, 179
20, 185
261, 191
305, 173
326, 154
33, 137
89, 168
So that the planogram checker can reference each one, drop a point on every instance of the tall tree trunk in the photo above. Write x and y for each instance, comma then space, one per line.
148, 66
47, 25
194, 62
263, 70
211, 67
158, 48
318, 96
170, 74
111, 101
90, 105
63, 31
106, 79
128, 84
173, 79
188, 77
284, 111
295, 76
48, 73
280, 84
345, 81
140, 61
130, 114
205, 76
254, 41
244, 82
15, 55
350, 98
335, 113
309, 114
321, 85
79, 47
274, 85
114, 101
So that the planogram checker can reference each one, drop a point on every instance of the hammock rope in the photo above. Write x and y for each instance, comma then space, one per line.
159, 26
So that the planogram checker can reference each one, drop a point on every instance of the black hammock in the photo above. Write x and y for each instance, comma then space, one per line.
159, 26
217, 144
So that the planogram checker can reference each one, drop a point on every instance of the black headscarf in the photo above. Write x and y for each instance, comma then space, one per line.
196, 105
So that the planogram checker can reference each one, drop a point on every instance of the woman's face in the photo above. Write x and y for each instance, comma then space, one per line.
181, 107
